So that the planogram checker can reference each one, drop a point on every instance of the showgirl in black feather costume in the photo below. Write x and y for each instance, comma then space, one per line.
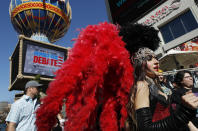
149, 108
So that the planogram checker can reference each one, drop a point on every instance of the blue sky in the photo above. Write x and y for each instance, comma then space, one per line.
84, 12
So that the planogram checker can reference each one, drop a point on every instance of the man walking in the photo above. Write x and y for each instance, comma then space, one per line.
22, 114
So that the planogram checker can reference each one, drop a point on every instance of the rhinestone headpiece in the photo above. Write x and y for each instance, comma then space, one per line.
141, 54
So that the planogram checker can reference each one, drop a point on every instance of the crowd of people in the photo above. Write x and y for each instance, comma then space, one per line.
153, 103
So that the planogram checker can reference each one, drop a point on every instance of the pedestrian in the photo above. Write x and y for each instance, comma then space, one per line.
60, 123
167, 89
149, 107
22, 115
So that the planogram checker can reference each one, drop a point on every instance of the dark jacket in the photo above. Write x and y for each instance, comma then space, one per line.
176, 99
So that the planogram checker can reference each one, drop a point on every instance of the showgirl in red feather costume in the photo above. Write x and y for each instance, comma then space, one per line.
97, 75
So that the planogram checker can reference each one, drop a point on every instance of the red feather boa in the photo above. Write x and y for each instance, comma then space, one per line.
97, 72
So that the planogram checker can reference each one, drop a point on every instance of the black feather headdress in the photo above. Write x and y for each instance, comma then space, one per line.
137, 36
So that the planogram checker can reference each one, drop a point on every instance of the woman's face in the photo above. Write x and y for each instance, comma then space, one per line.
187, 80
152, 65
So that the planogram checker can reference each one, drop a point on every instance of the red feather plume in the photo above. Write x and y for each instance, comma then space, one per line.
97, 74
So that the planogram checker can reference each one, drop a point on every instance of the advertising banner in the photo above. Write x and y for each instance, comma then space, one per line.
31, 58
191, 45
43, 61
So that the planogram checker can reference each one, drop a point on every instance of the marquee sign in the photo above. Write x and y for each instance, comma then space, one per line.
31, 58
43, 61
122, 11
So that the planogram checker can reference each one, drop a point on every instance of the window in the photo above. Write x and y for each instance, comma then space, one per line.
178, 27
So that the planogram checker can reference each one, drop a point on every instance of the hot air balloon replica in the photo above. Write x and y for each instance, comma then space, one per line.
39, 23
48, 20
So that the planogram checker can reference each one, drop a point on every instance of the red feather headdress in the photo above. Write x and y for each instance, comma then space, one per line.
97, 74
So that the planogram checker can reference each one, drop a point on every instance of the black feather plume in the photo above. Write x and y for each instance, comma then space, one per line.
136, 36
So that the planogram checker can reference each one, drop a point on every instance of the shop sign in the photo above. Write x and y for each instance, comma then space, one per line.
162, 13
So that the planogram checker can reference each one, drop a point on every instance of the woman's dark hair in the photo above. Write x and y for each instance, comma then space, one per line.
139, 70
180, 76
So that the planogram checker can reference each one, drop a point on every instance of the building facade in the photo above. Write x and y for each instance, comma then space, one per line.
177, 20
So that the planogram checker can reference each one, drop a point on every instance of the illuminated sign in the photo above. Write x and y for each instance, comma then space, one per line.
31, 58
120, 3
47, 58
43, 61
122, 11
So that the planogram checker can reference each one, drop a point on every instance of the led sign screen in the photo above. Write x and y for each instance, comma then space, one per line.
123, 11
42, 59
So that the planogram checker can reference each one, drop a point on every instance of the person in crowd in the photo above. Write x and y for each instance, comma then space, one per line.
184, 82
194, 75
166, 88
22, 114
60, 123
148, 106
170, 80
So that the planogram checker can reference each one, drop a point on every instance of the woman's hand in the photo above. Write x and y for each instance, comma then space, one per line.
190, 100
192, 127
142, 95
